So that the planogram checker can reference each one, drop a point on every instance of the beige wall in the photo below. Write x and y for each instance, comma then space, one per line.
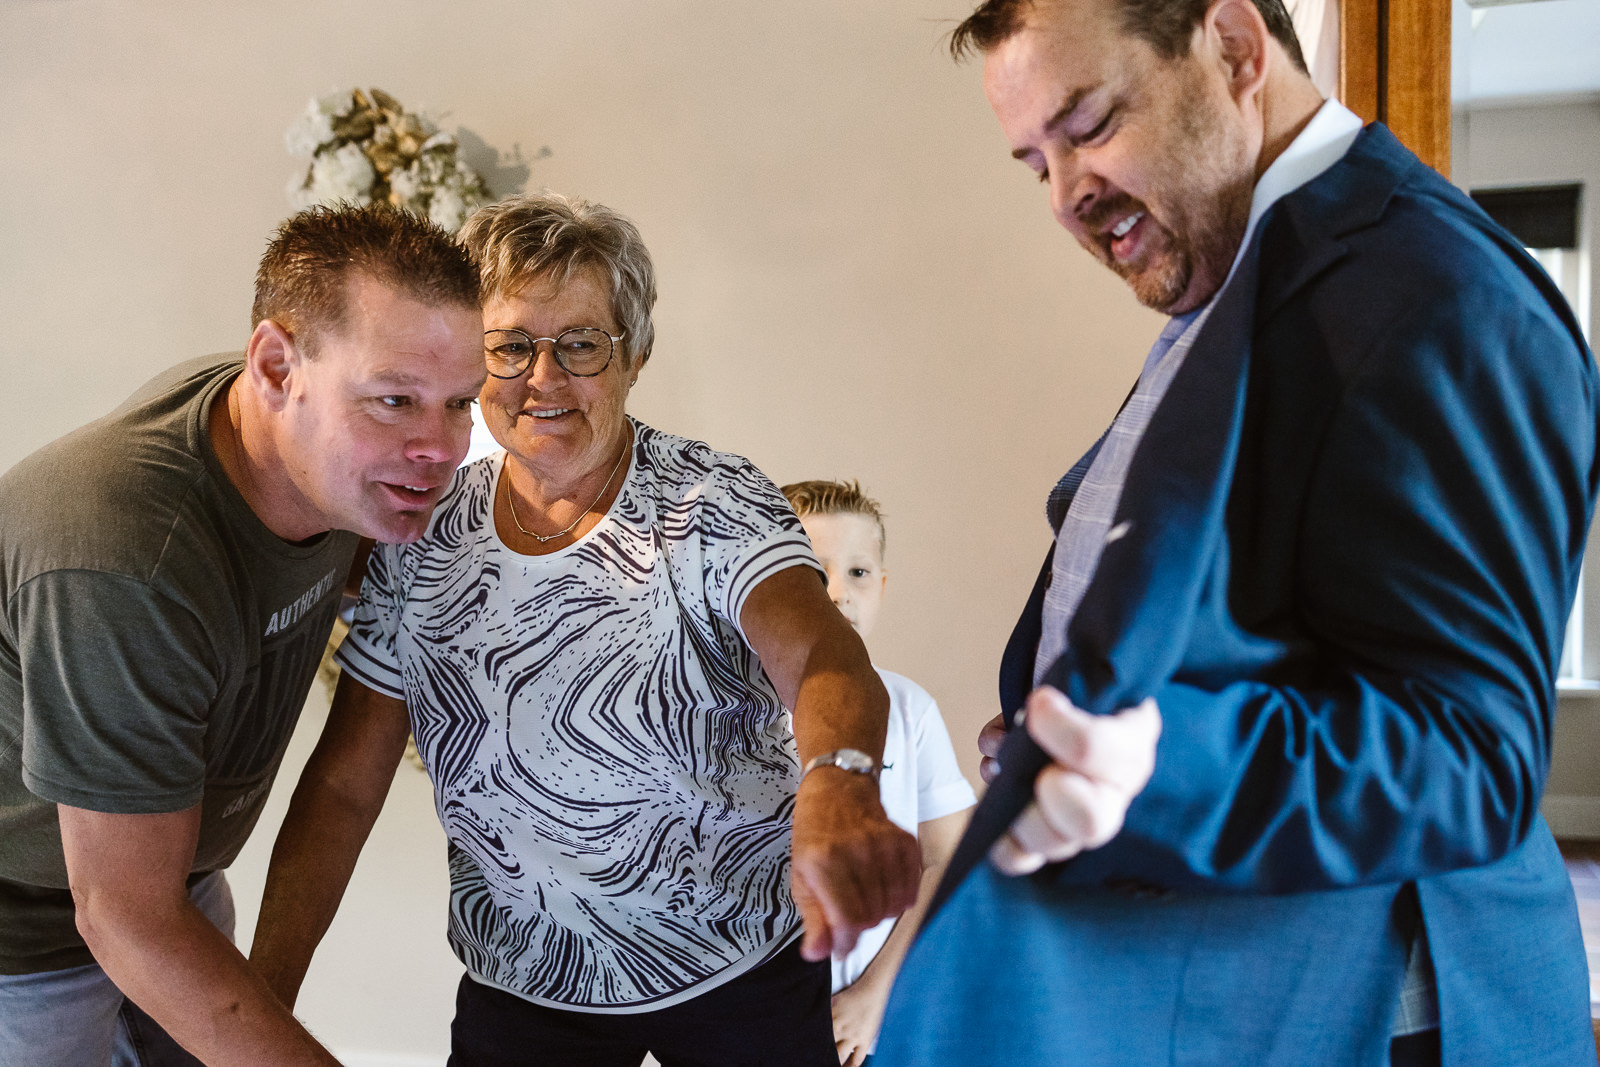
856, 280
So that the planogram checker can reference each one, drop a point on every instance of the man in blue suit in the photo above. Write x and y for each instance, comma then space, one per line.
1289, 672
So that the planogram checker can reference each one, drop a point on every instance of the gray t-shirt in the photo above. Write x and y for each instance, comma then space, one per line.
156, 645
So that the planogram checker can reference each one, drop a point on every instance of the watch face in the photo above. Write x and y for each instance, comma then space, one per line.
854, 760
846, 759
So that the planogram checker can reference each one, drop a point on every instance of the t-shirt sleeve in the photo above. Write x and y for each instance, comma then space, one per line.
749, 533
369, 652
118, 685
941, 787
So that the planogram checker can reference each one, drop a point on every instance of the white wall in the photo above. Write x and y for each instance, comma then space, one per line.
1541, 144
856, 281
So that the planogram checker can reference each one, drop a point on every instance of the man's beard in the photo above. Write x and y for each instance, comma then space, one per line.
1209, 245
1209, 180
1161, 285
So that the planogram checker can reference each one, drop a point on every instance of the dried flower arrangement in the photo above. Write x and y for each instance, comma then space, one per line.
364, 147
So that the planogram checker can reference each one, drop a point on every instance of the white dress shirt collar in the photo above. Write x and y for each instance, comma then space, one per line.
1324, 141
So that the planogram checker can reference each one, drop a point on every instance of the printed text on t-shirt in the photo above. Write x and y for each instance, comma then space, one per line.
284, 618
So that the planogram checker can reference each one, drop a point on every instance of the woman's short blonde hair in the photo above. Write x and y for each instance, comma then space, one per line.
521, 239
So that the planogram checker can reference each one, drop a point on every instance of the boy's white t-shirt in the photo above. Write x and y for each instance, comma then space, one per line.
920, 781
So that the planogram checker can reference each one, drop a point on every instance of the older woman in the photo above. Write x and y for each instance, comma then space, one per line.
594, 644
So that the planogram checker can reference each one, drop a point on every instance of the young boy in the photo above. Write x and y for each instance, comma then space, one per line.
922, 788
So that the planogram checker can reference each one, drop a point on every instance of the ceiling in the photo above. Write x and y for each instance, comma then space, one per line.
1513, 51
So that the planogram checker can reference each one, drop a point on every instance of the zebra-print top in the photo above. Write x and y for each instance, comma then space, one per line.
614, 771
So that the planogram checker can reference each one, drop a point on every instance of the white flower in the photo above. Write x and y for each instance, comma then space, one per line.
447, 209
350, 142
343, 174
407, 185
429, 169
314, 128
425, 126
333, 103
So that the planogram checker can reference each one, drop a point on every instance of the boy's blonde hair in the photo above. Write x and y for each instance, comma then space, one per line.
822, 496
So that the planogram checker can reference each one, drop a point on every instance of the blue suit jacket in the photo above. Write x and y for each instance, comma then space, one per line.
1354, 532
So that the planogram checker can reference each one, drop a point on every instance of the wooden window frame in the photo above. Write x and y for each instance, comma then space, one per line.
1394, 68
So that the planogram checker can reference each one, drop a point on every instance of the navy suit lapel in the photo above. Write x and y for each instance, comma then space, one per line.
1173, 501
1016, 662
1120, 649
1307, 226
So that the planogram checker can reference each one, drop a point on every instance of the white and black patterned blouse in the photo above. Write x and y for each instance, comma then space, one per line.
614, 771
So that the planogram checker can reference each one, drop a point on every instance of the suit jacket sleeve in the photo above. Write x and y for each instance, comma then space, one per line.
1406, 730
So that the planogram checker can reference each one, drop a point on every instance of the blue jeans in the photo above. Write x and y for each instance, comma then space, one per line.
78, 1018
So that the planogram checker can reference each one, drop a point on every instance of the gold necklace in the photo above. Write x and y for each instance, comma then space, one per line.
511, 505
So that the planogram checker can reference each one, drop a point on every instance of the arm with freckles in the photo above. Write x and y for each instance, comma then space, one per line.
127, 874
850, 866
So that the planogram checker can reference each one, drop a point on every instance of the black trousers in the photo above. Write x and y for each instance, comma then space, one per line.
776, 1015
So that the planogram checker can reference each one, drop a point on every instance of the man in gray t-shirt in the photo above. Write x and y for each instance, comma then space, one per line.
169, 575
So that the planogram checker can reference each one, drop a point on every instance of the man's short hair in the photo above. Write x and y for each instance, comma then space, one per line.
826, 496
522, 239
1165, 25
303, 281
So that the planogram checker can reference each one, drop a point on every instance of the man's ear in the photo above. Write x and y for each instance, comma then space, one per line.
1239, 35
269, 360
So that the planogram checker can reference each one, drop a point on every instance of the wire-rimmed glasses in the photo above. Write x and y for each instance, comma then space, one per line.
582, 352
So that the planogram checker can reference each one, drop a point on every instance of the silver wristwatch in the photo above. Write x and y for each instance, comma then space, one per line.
846, 759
